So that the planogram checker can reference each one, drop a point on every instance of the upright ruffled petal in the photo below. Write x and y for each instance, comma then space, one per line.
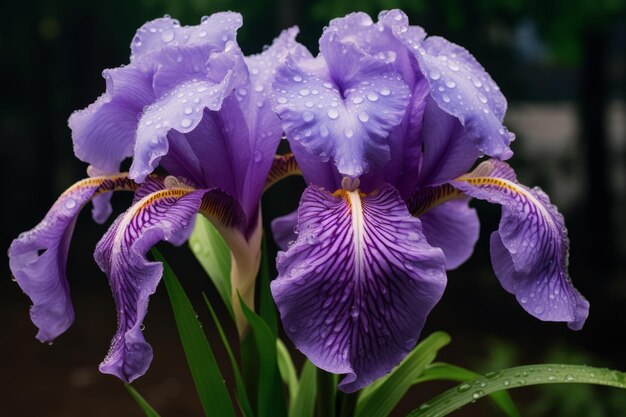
121, 254
163, 33
355, 288
38, 258
104, 133
347, 115
530, 250
448, 152
462, 88
182, 109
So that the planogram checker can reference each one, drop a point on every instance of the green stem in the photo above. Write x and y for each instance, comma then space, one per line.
326, 391
348, 404
517, 377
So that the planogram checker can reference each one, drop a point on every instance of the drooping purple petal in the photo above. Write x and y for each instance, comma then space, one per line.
355, 288
530, 250
462, 88
121, 253
38, 258
283, 229
344, 115
453, 227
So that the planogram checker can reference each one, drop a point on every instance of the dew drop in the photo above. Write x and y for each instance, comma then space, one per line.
258, 156
307, 116
434, 75
450, 84
185, 122
357, 100
304, 92
348, 132
364, 117
281, 100
538, 310
188, 110
167, 36
70, 203
385, 91
372, 96
524, 300
570, 378
482, 98
324, 132
202, 34
297, 78
453, 66
445, 98
333, 114
308, 104
464, 387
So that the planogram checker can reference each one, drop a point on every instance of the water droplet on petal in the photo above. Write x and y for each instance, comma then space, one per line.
307, 116
188, 110
70, 203
304, 92
185, 122
258, 156
434, 75
364, 117
482, 97
297, 78
281, 100
348, 132
453, 66
333, 114
385, 91
445, 98
372, 96
450, 84
324, 132
167, 36
538, 310
357, 100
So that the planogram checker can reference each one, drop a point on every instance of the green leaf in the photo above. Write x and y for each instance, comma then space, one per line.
443, 371
520, 376
202, 364
147, 408
384, 395
271, 395
213, 253
304, 402
242, 397
287, 370
326, 394
267, 308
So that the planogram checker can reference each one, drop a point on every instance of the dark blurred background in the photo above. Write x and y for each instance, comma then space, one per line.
561, 64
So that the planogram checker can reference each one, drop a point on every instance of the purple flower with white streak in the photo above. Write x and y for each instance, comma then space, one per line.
190, 102
385, 124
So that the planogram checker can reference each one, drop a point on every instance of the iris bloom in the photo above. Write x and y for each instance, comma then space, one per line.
191, 103
385, 124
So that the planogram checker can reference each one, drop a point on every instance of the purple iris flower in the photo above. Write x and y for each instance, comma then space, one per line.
385, 124
191, 103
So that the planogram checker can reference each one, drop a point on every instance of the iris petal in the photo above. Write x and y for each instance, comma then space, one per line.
347, 119
462, 88
530, 250
121, 254
38, 258
355, 288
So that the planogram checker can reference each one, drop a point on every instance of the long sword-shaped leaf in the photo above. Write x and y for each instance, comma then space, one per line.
267, 308
147, 408
271, 393
242, 396
202, 364
287, 370
381, 399
304, 402
443, 371
520, 376
212, 252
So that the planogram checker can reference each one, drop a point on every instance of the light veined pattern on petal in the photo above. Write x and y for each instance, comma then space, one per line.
348, 287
